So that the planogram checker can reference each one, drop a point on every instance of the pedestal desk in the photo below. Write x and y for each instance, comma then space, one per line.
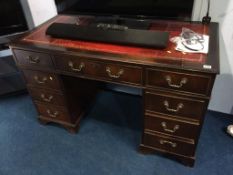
62, 77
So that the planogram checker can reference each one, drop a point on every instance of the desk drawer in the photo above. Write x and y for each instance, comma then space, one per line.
53, 112
41, 79
46, 96
171, 126
33, 58
174, 105
77, 65
192, 83
122, 73
169, 144
111, 72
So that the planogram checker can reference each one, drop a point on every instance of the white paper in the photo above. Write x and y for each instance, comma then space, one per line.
182, 48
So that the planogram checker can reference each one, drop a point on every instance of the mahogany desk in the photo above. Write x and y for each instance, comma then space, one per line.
62, 77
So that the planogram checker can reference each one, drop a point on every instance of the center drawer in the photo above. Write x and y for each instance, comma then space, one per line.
123, 73
78, 65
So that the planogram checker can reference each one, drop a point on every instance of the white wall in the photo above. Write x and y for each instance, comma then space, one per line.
38, 11
221, 11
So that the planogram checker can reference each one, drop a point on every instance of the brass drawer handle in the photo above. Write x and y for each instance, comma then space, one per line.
182, 82
162, 142
79, 69
118, 75
33, 60
52, 114
179, 106
175, 128
40, 80
46, 99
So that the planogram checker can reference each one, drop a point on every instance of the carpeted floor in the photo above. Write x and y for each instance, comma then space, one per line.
106, 144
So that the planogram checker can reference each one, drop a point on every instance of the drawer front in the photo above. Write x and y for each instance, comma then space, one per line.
122, 73
53, 112
172, 127
174, 105
178, 81
33, 58
41, 79
169, 144
77, 65
46, 96
111, 72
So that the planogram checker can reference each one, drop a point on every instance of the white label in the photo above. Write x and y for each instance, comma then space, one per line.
205, 66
